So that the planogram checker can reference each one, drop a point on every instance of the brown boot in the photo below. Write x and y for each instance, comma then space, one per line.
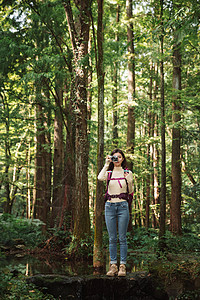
112, 271
122, 270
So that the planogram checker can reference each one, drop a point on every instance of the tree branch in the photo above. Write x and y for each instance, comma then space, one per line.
70, 21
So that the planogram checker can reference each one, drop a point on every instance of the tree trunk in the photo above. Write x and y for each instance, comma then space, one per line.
131, 89
58, 163
148, 181
156, 194
176, 142
42, 183
131, 78
28, 195
99, 203
7, 205
39, 185
115, 83
163, 148
48, 159
79, 34
89, 92
70, 194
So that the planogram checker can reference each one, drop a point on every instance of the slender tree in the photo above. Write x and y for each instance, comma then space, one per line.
156, 153
131, 89
98, 236
163, 147
39, 177
115, 83
131, 77
58, 161
176, 140
6, 117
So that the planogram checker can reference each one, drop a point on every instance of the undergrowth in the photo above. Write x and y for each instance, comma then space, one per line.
13, 286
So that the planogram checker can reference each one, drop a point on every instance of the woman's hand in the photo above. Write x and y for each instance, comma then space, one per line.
108, 159
126, 173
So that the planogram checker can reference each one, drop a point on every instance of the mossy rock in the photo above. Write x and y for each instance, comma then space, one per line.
137, 286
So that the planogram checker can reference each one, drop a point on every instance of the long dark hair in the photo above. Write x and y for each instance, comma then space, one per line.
111, 165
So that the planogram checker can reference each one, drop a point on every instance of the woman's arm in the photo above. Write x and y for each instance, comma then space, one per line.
103, 174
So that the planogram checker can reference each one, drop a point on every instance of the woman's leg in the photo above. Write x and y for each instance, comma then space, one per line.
111, 218
123, 219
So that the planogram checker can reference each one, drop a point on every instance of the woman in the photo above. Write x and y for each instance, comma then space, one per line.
119, 185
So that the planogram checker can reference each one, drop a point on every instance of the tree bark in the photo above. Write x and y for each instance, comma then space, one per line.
131, 79
115, 84
131, 90
7, 205
42, 182
163, 147
69, 204
99, 203
156, 158
79, 35
28, 195
148, 179
58, 163
176, 142
89, 93
48, 158
39, 184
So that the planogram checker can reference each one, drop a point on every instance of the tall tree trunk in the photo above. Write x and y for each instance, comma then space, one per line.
151, 134
58, 163
149, 182
79, 35
115, 83
48, 159
163, 148
28, 196
131, 78
89, 92
131, 90
7, 205
69, 204
156, 194
39, 185
99, 203
176, 142
42, 182
148, 178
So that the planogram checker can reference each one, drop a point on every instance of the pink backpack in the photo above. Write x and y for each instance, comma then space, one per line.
128, 197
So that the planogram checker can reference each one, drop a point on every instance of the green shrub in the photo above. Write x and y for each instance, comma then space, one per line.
16, 288
187, 242
80, 249
13, 228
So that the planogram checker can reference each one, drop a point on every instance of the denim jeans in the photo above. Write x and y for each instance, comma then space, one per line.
114, 212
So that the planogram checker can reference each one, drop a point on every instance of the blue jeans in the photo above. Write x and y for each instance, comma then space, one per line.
114, 212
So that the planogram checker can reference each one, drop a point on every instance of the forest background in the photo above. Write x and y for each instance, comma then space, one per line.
80, 78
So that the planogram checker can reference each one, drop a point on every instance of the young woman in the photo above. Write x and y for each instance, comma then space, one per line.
120, 183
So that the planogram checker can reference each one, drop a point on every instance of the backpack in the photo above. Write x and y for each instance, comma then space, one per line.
128, 197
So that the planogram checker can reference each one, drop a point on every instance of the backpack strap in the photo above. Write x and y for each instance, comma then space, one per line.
118, 179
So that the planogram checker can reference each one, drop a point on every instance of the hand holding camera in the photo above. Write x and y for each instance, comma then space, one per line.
113, 158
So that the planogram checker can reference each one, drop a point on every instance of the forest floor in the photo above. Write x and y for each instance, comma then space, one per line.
178, 273
25, 250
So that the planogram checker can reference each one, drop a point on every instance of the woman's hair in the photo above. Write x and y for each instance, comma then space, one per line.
111, 165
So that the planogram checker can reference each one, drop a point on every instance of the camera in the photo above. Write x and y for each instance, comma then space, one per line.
114, 158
